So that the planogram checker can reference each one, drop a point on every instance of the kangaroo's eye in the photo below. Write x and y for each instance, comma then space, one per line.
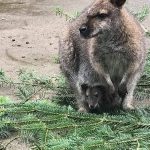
102, 16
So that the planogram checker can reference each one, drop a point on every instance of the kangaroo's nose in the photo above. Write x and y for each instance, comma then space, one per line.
83, 29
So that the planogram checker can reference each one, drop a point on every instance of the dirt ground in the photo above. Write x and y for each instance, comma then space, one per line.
29, 32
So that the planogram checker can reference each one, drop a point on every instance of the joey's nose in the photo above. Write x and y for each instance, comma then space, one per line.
83, 29
91, 106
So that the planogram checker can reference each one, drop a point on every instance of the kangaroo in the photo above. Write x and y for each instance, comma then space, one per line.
115, 45
109, 40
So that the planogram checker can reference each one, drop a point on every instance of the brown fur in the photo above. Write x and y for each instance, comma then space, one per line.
110, 40
116, 48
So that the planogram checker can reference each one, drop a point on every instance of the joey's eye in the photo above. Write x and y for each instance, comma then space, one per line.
102, 16
86, 96
96, 95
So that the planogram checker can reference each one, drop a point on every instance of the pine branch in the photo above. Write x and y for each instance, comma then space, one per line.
56, 125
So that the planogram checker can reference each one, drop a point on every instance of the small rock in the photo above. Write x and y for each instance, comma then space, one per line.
50, 43
3, 19
13, 40
23, 57
27, 42
19, 45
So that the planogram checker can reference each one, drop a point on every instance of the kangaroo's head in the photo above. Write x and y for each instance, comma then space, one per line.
102, 16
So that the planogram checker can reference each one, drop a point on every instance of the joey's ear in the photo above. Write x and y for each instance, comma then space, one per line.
118, 3
101, 88
84, 87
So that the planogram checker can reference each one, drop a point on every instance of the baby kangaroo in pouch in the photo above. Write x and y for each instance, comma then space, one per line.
96, 99
115, 46
92, 97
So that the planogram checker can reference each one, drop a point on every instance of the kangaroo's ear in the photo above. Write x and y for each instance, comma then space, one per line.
118, 3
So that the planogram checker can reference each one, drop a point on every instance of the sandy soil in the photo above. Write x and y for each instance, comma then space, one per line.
29, 36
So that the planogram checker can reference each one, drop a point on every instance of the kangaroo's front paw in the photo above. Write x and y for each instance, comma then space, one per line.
82, 110
111, 89
128, 107
122, 90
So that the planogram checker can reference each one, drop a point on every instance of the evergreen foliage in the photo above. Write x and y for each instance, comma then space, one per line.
50, 125
68, 16
143, 13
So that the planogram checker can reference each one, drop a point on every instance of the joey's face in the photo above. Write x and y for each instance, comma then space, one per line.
93, 97
102, 17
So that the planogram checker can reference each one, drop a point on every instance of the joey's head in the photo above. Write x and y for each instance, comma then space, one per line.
103, 16
93, 95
